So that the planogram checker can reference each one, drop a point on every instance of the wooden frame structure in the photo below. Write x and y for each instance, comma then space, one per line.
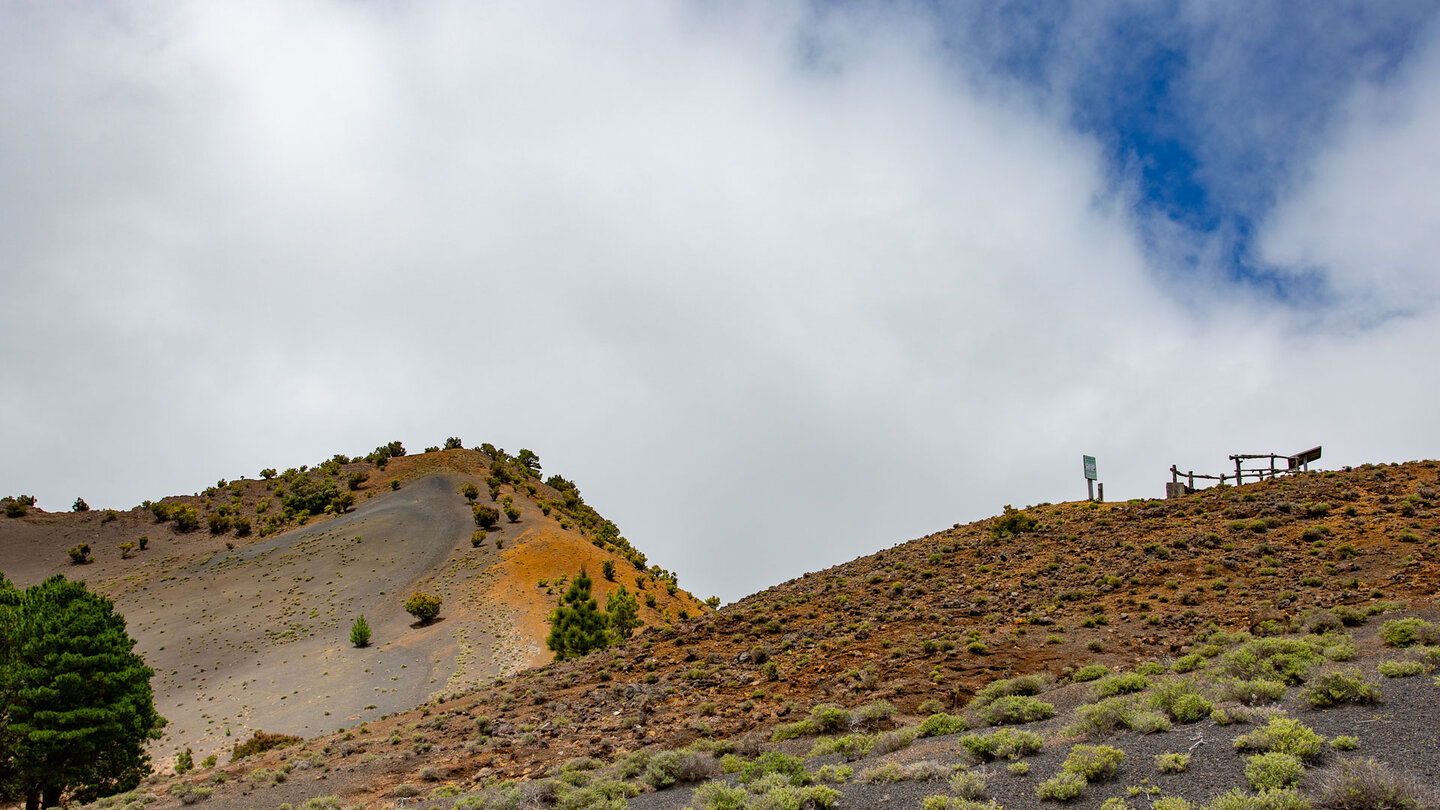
1299, 462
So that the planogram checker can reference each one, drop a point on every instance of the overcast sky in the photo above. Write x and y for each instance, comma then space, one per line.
777, 284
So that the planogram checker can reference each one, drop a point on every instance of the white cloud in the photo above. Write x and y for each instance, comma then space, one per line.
770, 307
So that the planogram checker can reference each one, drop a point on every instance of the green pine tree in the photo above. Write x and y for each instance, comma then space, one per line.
624, 612
360, 632
577, 626
78, 703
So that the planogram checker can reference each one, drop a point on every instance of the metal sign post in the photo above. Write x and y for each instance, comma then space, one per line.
1090, 476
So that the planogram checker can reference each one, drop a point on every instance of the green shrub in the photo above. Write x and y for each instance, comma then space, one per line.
827, 717
423, 606
185, 517
1094, 763
1032, 684
1012, 522
1015, 710
850, 746
1273, 770
1400, 669
1405, 632
1103, 718
1089, 672
953, 803
1005, 743
719, 796
260, 742
668, 767
80, 554
1340, 686
968, 784
1286, 660
1062, 787
1122, 683
1250, 692
892, 741
941, 724
1172, 803
792, 768
1284, 735
1345, 742
1238, 799
1172, 763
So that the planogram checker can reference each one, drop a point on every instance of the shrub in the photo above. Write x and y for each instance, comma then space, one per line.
423, 607
1238, 799
477, 539
1400, 669
1062, 787
1345, 742
1015, 710
261, 742
1012, 522
1364, 784
953, 803
607, 570
668, 767
80, 505
968, 785
827, 717
1021, 685
1273, 770
892, 741
1405, 632
486, 517
1172, 763
792, 768
1005, 743
1089, 672
1283, 735
719, 796
360, 632
1340, 686
850, 746
143, 541
1105, 717
1250, 692
1093, 762
185, 517
80, 554
941, 724
1120, 684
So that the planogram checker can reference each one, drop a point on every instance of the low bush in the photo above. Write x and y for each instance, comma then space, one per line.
1284, 735
1122, 683
850, 746
1238, 799
1406, 632
1273, 770
1015, 710
1089, 672
1400, 669
1003, 744
669, 767
892, 741
774, 762
1062, 787
1340, 686
1250, 692
954, 803
941, 724
1172, 763
260, 742
1345, 742
968, 784
80, 554
1364, 784
1106, 717
1032, 684
1094, 763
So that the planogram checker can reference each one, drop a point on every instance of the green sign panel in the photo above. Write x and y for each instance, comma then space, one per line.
1089, 467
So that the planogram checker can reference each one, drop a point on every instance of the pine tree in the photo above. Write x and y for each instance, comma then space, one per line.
624, 612
78, 703
577, 626
360, 632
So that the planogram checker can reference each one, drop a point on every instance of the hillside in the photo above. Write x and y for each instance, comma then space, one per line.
921, 626
249, 630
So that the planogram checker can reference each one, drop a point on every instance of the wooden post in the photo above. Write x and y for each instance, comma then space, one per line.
1090, 489
1102, 493
1238, 479
1192, 479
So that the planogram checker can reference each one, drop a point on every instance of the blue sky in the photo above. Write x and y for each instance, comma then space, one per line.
778, 284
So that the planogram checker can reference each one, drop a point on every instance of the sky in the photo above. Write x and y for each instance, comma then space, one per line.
778, 284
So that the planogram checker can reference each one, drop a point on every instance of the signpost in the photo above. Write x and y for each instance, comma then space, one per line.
1090, 476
